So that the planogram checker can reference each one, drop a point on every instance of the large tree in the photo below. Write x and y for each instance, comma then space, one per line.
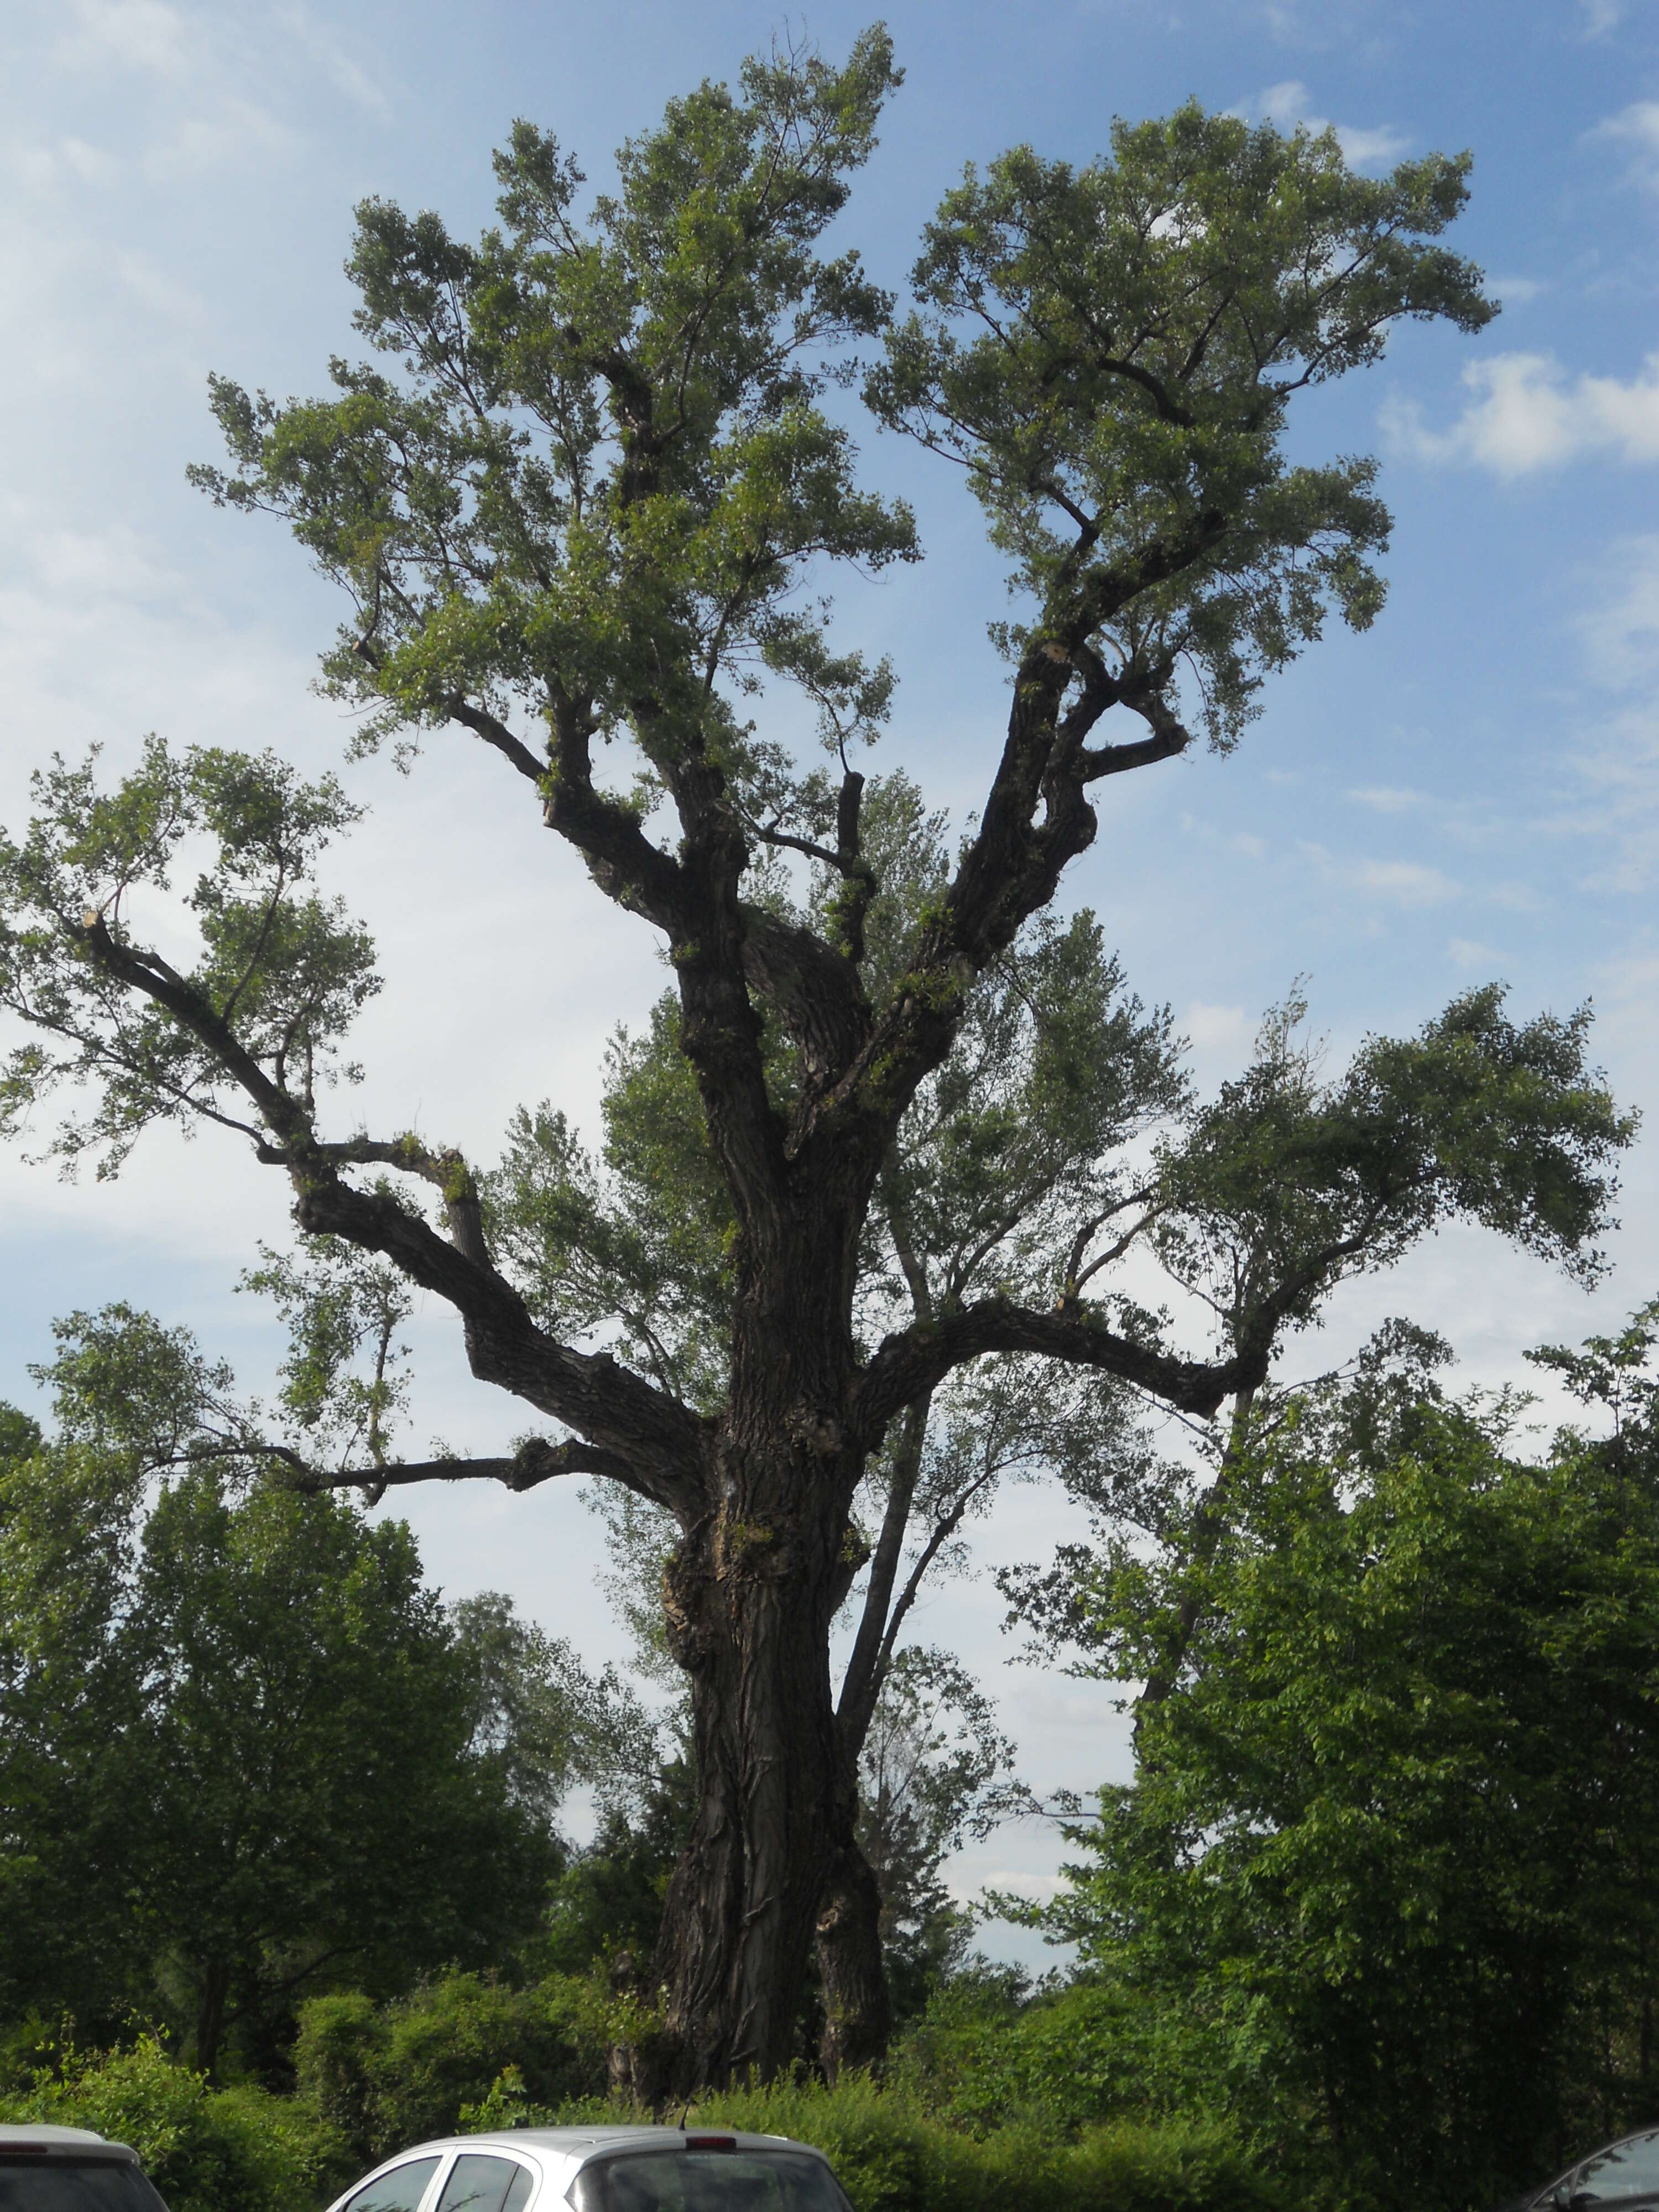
577, 504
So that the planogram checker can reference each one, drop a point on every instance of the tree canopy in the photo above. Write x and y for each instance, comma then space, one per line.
246, 1751
1384, 1872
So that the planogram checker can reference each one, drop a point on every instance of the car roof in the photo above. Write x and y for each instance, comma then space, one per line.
578, 2144
40, 2135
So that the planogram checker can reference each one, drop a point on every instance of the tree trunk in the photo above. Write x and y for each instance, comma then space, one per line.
858, 2014
212, 1997
748, 1598
747, 1620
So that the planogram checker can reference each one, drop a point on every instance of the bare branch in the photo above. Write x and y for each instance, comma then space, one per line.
535, 1462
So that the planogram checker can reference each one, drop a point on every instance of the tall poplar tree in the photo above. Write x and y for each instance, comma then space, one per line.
575, 499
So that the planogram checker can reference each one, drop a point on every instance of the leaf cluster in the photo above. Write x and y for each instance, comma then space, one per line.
278, 972
601, 461
1290, 1181
218, 1704
1109, 353
1389, 1832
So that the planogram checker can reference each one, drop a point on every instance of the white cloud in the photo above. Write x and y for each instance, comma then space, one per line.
347, 75
1290, 103
1621, 633
1600, 17
91, 164
1515, 291
1518, 897
116, 562
1408, 883
1528, 414
1636, 128
235, 132
1468, 952
137, 35
1382, 799
1217, 1028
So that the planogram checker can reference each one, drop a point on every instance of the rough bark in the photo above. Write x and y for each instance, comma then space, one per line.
749, 1599
739, 1921
858, 2011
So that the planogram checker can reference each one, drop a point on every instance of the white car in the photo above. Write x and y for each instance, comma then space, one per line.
51, 2169
601, 2169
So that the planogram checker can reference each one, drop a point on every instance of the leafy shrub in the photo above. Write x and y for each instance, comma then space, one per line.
387, 2075
207, 2150
984, 2055
892, 2156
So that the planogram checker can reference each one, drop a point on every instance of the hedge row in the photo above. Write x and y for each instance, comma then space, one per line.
890, 2156
242, 2149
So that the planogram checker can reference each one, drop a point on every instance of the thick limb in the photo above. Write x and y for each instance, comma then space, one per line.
613, 1409
915, 1360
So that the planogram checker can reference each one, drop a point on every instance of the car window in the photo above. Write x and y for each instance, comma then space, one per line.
38, 2184
480, 2183
400, 2190
707, 2181
1629, 2169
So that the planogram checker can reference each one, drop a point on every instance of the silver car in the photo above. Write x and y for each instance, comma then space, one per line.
46, 2169
601, 2169
1624, 2173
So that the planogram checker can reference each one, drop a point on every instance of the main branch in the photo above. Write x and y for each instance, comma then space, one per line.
917, 1359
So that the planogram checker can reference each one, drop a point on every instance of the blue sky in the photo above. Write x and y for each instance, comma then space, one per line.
1470, 790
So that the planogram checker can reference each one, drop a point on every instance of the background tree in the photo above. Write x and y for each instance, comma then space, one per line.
581, 495
1386, 1869
245, 1751
935, 1770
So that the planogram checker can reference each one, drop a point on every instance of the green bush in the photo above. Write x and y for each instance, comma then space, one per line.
983, 2055
387, 2075
892, 2156
376, 2079
207, 2150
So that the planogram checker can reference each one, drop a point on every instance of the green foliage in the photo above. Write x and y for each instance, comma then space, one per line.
75, 1769
341, 1308
1111, 351
1388, 1847
608, 1901
385, 2076
206, 2150
540, 1721
892, 2156
1290, 1181
218, 1705
638, 1240
926, 1780
310, 1694
986, 2054
605, 463
280, 973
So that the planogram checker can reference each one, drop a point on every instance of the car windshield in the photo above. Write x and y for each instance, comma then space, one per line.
707, 2181
62, 2184
1629, 2169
